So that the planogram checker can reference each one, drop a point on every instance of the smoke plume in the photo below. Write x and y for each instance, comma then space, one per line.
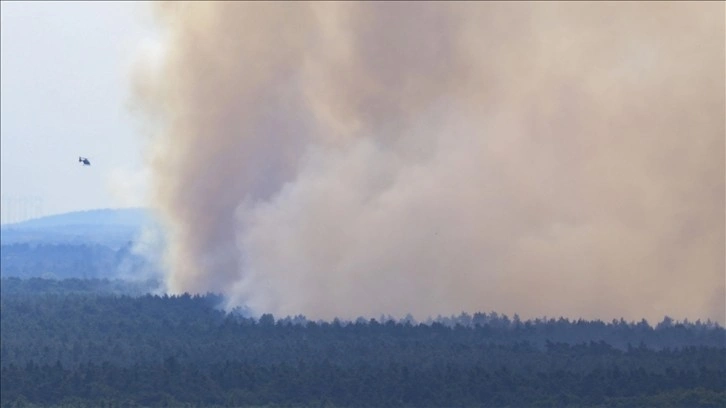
353, 159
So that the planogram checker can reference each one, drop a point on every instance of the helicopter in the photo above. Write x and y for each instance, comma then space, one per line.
84, 161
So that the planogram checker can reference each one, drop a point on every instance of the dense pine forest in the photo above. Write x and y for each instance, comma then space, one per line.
110, 343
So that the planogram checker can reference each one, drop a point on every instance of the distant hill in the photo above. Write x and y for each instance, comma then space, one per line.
82, 244
131, 217
110, 227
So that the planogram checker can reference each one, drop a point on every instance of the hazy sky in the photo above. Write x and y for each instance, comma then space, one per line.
65, 68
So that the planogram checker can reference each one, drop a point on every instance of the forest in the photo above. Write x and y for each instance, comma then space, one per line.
109, 343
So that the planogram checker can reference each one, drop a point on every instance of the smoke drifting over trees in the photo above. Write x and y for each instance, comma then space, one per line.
345, 159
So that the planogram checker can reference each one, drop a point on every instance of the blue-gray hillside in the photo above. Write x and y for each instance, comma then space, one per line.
84, 244
109, 227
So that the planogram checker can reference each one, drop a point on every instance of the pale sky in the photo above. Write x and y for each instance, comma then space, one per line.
65, 92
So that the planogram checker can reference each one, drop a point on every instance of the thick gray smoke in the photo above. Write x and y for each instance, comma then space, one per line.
348, 159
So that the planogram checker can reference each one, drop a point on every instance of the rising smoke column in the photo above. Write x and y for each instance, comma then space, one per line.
346, 159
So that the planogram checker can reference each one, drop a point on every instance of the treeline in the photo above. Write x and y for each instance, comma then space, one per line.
325, 383
88, 349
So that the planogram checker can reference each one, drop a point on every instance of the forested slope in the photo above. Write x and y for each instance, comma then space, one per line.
75, 347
